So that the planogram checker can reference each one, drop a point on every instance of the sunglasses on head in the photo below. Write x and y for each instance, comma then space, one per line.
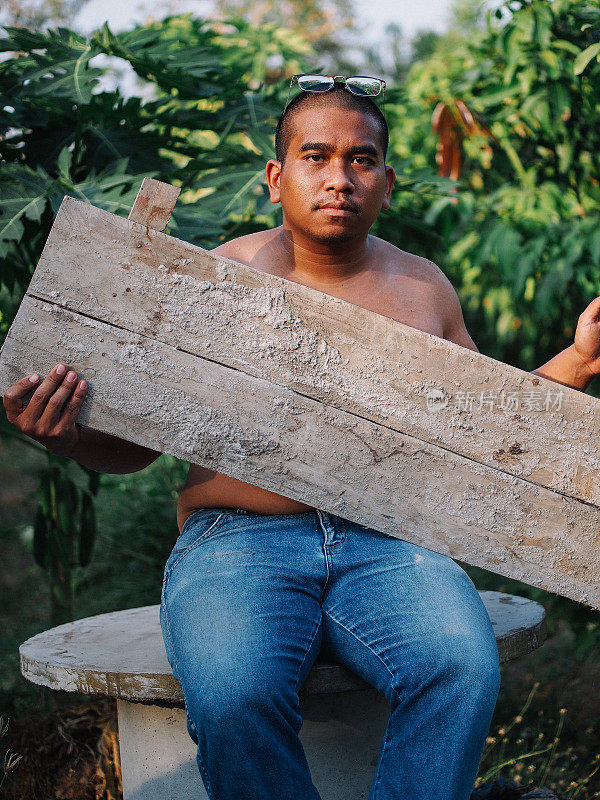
360, 85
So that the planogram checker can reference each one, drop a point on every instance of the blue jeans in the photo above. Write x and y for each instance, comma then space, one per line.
249, 600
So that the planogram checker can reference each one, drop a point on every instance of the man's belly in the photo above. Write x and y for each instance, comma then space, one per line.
205, 488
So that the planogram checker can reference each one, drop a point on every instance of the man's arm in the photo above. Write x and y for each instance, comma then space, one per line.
50, 419
580, 362
102, 452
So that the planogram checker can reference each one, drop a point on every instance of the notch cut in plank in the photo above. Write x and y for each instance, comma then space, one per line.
160, 397
154, 204
321, 346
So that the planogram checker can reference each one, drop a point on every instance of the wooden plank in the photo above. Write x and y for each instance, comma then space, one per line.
154, 204
325, 348
274, 437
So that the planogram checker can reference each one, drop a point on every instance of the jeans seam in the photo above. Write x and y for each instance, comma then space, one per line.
386, 741
327, 575
168, 627
360, 641
204, 773
312, 639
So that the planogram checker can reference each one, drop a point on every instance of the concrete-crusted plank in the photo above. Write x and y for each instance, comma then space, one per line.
149, 392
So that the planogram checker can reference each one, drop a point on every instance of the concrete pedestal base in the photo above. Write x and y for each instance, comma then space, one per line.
342, 735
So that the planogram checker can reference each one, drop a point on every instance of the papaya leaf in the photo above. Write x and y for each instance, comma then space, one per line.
57, 63
24, 194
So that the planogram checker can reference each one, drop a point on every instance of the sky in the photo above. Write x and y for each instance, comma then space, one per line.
410, 15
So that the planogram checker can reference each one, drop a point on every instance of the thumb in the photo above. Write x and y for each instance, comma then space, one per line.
591, 313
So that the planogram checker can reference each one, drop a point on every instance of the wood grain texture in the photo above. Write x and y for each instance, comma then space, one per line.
323, 347
316, 399
271, 436
154, 204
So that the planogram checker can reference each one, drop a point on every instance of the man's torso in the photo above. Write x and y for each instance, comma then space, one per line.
396, 284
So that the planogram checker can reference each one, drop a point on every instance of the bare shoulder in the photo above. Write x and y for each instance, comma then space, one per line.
435, 290
245, 248
402, 263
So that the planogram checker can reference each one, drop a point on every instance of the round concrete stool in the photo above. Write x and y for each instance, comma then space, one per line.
122, 655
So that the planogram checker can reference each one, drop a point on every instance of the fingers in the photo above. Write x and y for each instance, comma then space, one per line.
13, 397
43, 393
54, 406
72, 408
52, 410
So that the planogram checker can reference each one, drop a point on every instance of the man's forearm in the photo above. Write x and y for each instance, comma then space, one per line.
102, 452
567, 368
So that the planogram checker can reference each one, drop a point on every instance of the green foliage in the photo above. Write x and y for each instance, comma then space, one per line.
519, 237
136, 526
64, 532
63, 132
522, 238
194, 124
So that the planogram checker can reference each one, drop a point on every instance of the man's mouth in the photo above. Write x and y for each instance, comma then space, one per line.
343, 209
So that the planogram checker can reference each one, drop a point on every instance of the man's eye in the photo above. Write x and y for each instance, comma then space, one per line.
363, 160
314, 157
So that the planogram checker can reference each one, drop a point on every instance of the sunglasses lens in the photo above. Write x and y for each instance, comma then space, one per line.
315, 83
364, 86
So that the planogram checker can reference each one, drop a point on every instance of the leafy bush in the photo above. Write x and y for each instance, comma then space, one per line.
522, 237
519, 237
195, 124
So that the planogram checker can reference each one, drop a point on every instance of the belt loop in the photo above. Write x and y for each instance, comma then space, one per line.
326, 524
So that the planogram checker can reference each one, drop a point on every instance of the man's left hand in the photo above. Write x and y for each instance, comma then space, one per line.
587, 337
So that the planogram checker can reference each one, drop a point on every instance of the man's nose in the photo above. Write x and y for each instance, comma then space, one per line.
338, 177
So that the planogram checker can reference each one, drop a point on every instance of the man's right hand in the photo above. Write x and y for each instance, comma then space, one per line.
50, 416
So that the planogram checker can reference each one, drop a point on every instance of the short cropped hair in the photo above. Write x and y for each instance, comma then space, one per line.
338, 96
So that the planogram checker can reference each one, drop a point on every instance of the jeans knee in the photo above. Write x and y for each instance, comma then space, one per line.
459, 662
472, 666
243, 703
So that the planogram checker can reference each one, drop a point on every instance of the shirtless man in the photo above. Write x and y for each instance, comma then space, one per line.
258, 583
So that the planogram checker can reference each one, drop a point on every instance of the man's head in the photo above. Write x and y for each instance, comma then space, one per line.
338, 96
331, 178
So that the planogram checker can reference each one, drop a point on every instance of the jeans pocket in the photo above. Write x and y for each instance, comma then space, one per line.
198, 527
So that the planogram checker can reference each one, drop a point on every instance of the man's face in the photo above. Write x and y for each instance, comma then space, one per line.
334, 181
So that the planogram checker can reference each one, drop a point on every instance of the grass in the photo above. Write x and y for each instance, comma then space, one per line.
546, 726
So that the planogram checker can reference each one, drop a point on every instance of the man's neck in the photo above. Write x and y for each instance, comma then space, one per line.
321, 262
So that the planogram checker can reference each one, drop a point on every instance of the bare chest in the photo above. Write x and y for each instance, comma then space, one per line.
409, 300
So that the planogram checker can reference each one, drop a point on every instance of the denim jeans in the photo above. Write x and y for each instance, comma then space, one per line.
248, 601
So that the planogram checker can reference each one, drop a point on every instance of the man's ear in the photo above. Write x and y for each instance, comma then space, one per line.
273, 173
390, 177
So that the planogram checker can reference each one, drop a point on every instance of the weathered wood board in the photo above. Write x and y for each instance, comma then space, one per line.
317, 399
